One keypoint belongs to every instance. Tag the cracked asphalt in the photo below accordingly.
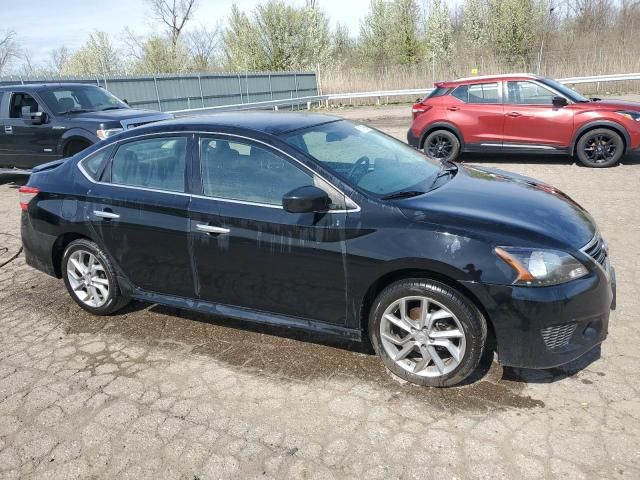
(156, 392)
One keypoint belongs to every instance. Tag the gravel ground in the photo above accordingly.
(155, 392)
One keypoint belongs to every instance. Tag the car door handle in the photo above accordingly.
(514, 114)
(211, 229)
(107, 215)
(453, 109)
(8, 129)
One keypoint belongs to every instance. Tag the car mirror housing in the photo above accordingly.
(559, 102)
(34, 118)
(306, 199)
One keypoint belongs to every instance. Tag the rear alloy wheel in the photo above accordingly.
(442, 145)
(600, 148)
(427, 333)
(90, 279)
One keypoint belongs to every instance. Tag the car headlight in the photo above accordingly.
(102, 134)
(630, 115)
(538, 268)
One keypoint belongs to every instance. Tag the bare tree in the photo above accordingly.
(204, 45)
(174, 14)
(59, 59)
(8, 49)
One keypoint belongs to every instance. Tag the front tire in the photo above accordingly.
(427, 332)
(442, 145)
(90, 278)
(600, 148)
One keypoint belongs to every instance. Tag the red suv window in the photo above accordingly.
(478, 93)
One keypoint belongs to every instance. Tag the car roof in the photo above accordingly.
(43, 86)
(487, 78)
(274, 123)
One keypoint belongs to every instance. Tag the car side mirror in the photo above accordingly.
(34, 118)
(306, 199)
(126, 101)
(559, 102)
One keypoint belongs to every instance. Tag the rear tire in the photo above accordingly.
(442, 145)
(90, 278)
(427, 333)
(600, 148)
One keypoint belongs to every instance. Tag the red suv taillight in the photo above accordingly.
(26, 195)
(419, 108)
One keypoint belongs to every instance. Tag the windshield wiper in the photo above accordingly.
(112, 108)
(403, 194)
(75, 110)
(445, 171)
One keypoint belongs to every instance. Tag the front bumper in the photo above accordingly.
(543, 327)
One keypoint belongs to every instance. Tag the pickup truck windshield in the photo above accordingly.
(367, 158)
(69, 99)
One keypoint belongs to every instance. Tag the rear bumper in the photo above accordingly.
(548, 326)
(412, 139)
(37, 246)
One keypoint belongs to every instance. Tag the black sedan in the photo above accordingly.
(314, 222)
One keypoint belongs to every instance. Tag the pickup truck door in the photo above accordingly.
(6, 149)
(25, 144)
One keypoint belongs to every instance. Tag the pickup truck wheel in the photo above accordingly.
(600, 148)
(73, 147)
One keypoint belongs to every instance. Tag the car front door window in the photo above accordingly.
(246, 172)
(528, 93)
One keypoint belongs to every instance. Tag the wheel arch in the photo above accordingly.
(60, 245)
(441, 126)
(75, 135)
(406, 273)
(611, 125)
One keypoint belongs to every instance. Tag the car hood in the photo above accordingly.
(504, 205)
(611, 105)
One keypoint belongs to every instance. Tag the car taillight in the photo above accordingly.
(419, 109)
(26, 195)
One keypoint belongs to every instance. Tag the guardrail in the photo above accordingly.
(288, 102)
(379, 94)
(618, 77)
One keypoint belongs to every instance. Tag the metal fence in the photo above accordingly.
(189, 91)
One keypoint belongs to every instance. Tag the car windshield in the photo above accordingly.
(80, 98)
(564, 90)
(366, 158)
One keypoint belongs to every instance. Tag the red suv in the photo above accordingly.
(526, 114)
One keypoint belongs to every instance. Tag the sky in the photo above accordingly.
(42, 25)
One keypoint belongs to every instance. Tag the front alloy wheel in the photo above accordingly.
(427, 332)
(422, 336)
(600, 148)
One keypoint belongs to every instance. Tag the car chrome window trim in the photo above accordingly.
(348, 200)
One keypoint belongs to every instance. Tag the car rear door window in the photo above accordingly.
(484, 93)
(157, 163)
(528, 93)
(462, 93)
(93, 163)
(245, 172)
